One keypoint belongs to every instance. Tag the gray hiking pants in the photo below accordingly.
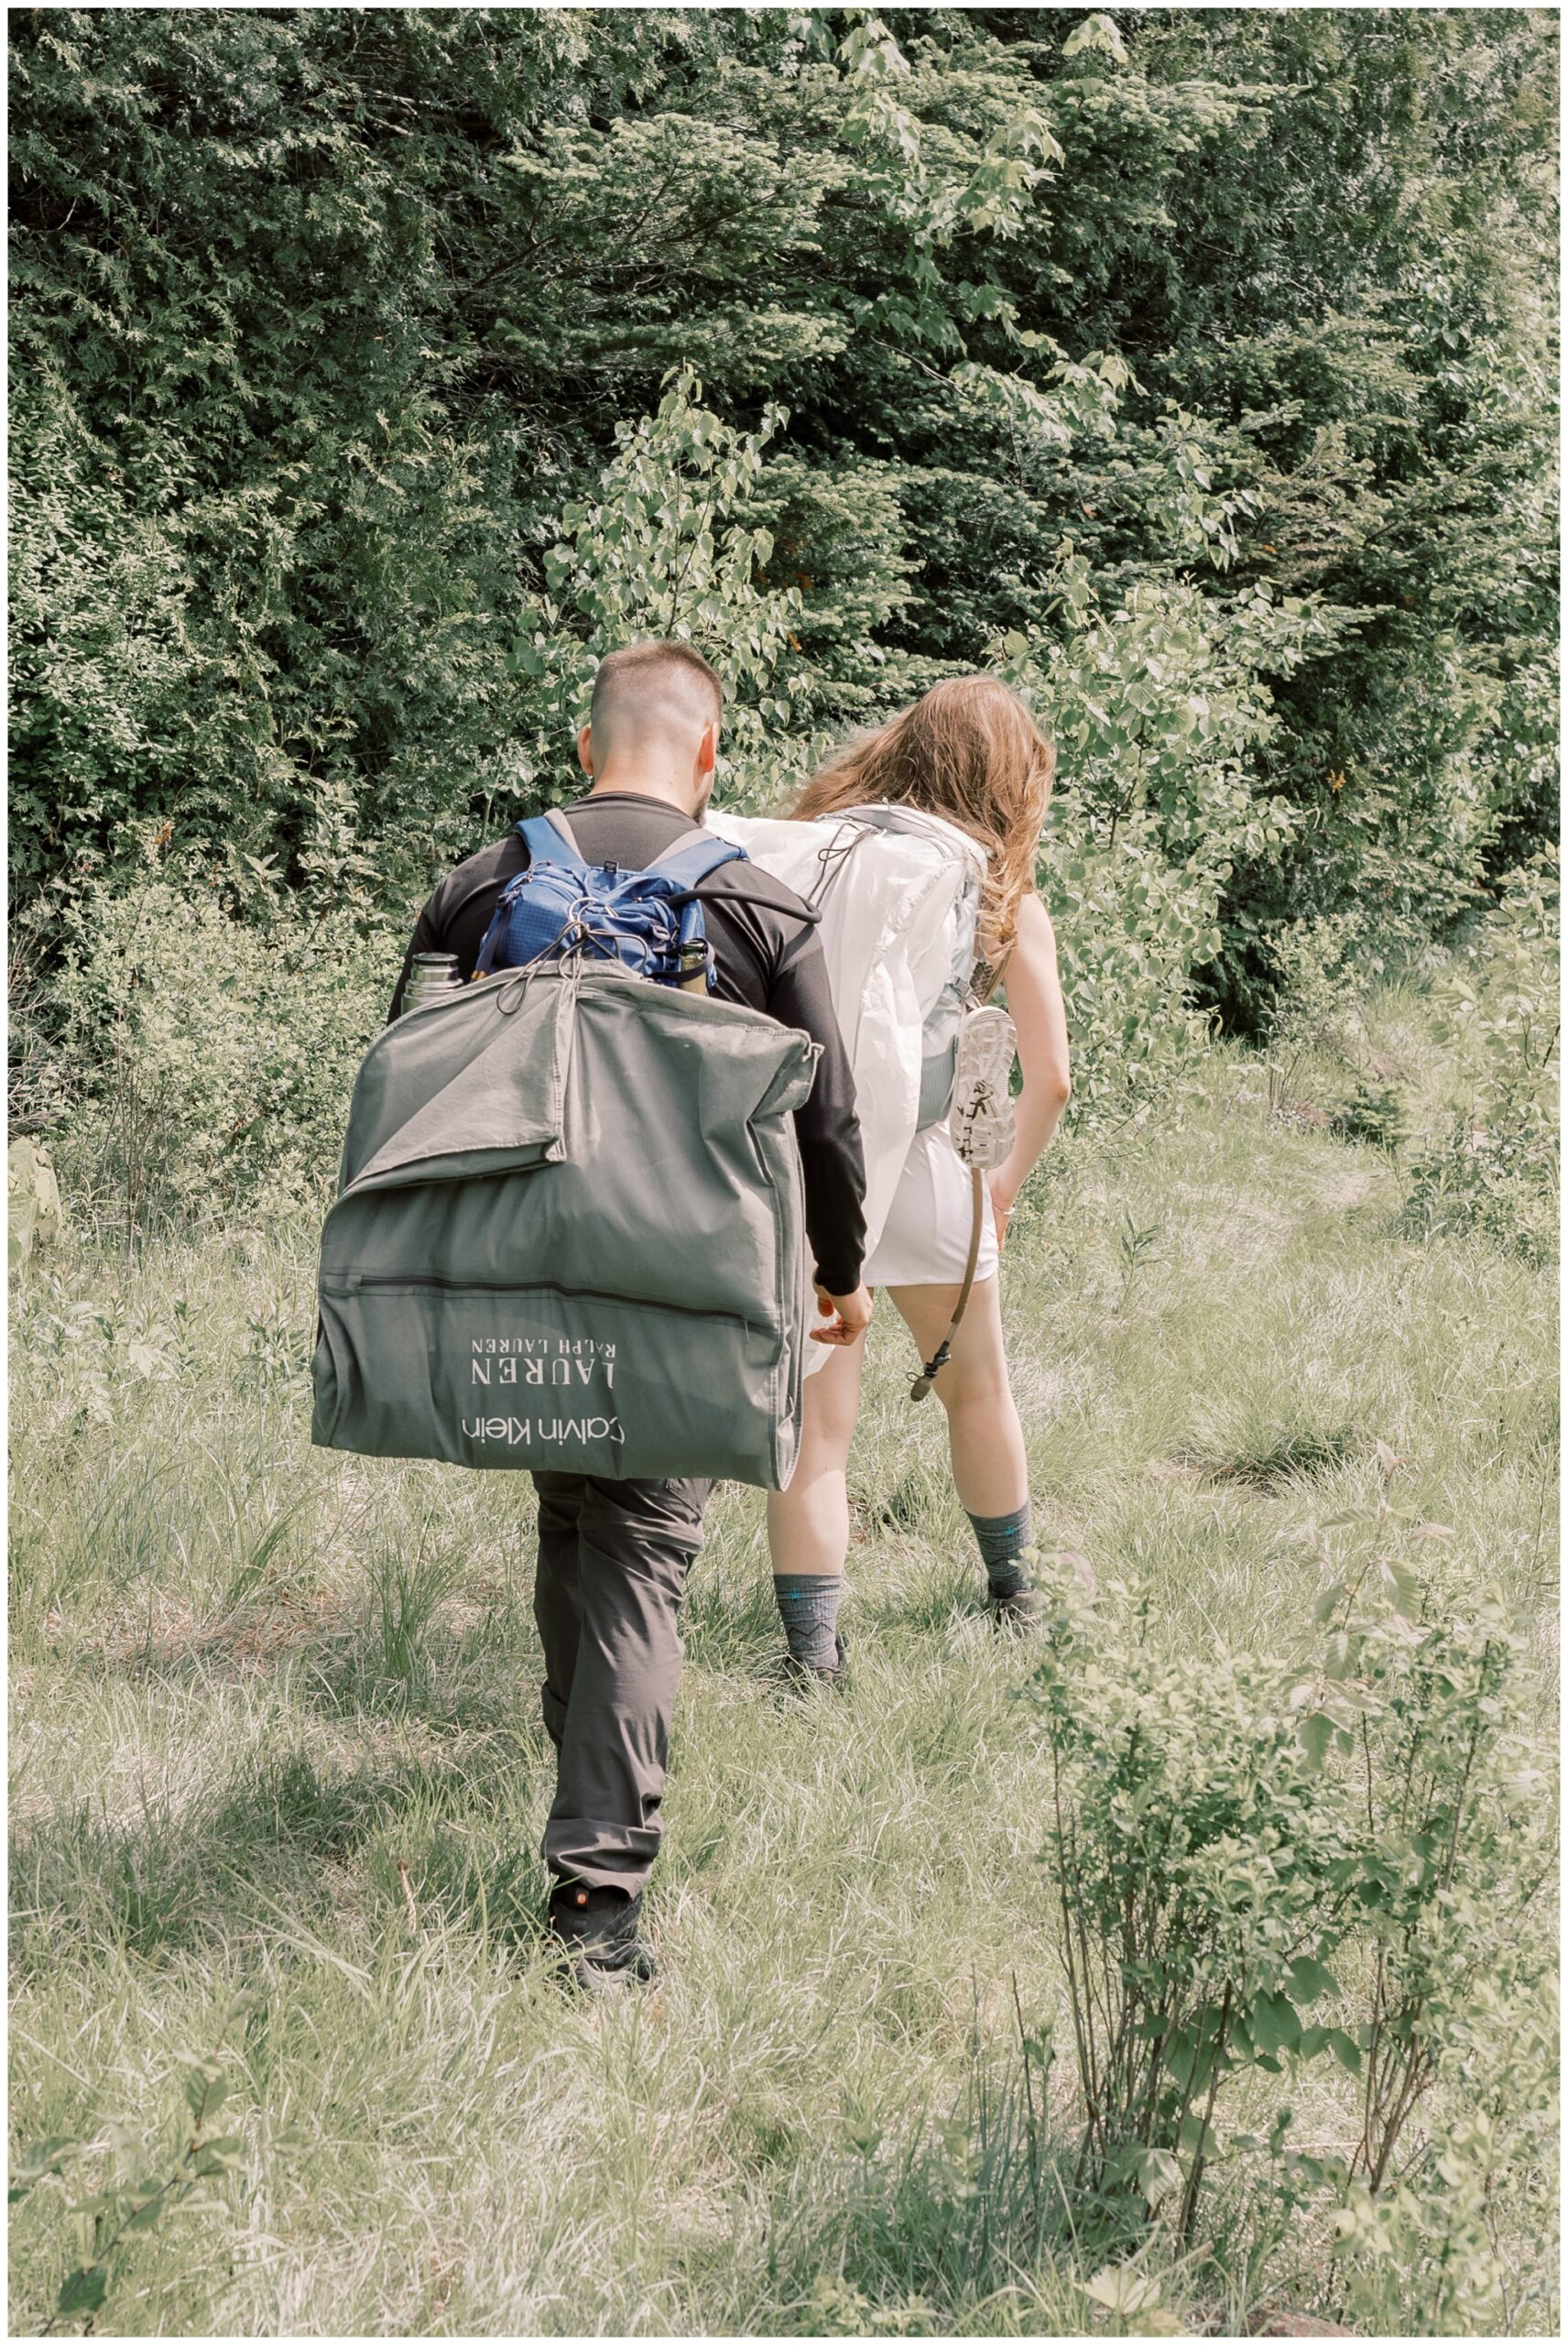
(613, 1563)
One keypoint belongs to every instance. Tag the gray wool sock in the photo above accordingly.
(1002, 1538)
(808, 1606)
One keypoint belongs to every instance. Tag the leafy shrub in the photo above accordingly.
(1128, 931)
(207, 1059)
(1420, 1693)
(1190, 1849)
(1158, 704)
(140, 2193)
(144, 2183)
(1492, 1163)
(1225, 1827)
(1321, 967)
(1372, 1110)
(1427, 2242)
(1321, 1066)
(32, 1201)
(667, 541)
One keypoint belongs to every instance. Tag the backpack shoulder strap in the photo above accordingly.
(689, 865)
(837, 852)
(547, 840)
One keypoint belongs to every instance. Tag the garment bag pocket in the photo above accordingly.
(541, 1376)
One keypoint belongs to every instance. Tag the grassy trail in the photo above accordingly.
(274, 1734)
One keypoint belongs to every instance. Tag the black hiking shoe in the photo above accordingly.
(805, 1674)
(597, 1933)
(1021, 1613)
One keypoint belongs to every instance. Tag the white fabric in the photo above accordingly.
(888, 932)
(925, 1238)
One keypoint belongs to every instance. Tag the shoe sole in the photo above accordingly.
(982, 1118)
(577, 1969)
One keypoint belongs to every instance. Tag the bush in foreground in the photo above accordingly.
(1225, 1827)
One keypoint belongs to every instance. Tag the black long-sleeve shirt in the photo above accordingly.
(766, 955)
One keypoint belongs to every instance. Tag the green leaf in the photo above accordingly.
(147, 2213)
(1124, 2290)
(1275, 2024)
(1345, 2050)
(206, 2089)
(104, 2206)
(1159, 2174)
(1181, 2054)
(1403, 1587)
(1316, 1735)
(83, 2291)
(1309, 1979)
(1096, 32)
(38, 2159)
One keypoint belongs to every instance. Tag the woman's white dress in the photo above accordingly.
(892, 919)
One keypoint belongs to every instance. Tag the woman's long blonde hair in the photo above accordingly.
(969, 750)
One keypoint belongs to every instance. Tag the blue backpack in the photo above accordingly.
(562, 907)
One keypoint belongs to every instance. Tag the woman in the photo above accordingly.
(961, 777)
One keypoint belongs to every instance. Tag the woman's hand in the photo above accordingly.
(1004, 1196)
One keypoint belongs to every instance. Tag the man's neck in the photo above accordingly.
(639, 781)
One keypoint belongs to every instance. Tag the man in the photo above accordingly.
(613, 1556)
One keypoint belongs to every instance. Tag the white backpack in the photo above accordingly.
(899, 893)
(942, 1019)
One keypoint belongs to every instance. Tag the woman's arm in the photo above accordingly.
(1034, 1003)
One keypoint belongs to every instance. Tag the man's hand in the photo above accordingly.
(848, 1316)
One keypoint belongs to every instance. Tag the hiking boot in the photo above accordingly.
(803, 1673)
(597, 1933)
(1023, 1611)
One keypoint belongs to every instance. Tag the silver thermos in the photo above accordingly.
(432, 977)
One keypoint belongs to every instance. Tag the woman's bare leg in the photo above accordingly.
(990, 1469)
(809, 1521)
(808, 1524)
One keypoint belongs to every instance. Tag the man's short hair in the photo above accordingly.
(659, 680)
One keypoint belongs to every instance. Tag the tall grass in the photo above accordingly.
(276, 1736)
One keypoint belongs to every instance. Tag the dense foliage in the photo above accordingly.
(326, 319)
(374, 369)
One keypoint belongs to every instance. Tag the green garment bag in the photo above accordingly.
(569, 1235)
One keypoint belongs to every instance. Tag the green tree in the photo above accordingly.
(333, 328)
